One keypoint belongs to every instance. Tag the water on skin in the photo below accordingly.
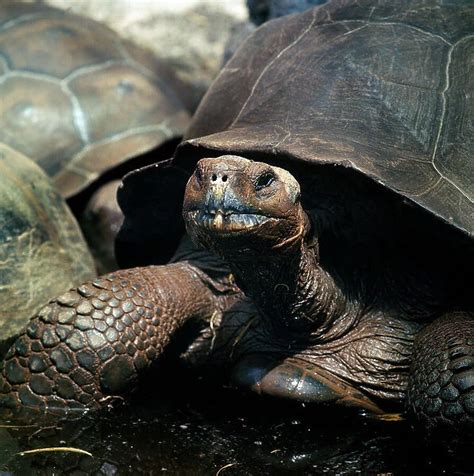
(196, 429)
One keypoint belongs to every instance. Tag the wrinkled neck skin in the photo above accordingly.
(294, 294)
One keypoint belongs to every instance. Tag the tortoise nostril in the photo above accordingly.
(224, 178)
(214, 177)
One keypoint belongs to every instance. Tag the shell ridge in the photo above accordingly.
(268, 66)
(130, 61)
(11, 73)
(426, 191)
(149, 74)
(162, 127)
(365, 23)
(443, 116)
(24, 19)
(78, 116)
(93, 68)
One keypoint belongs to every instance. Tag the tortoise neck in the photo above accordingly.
(289, 287)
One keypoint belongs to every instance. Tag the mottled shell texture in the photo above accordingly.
(42, 251)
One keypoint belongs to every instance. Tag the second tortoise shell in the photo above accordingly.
(77, 98)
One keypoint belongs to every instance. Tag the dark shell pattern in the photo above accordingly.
(62, 79)
(383, 87)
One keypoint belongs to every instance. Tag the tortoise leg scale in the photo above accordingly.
(441, 385)
(92, 342)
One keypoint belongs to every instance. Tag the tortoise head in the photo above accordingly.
(235, 203)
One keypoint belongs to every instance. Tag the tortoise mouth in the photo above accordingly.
(226, 221)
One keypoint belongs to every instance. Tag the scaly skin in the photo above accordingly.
(317, 326)
(441, 385)
(329, 340)
(93, 342)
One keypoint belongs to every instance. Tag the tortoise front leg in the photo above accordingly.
(93, 341)
(441, 385)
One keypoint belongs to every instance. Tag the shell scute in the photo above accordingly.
(37, 119)
(56, 46)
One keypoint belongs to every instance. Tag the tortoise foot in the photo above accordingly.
(441, 386)
(297, 380)
(83, 347)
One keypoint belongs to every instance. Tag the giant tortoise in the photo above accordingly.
(328, 255)
(80, 101)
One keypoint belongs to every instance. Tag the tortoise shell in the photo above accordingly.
(76, 98)
(384, 88)
(42, 251)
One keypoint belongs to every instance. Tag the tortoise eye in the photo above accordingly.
(264, 180)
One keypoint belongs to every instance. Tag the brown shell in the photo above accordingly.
(78, 99)
(382, 87)
(42, 251)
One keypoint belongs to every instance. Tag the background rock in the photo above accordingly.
(264, 10)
